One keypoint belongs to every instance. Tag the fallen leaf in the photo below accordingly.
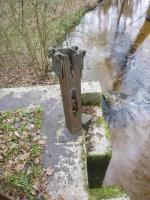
(49, 171)
(37, 160)
(24, 156)
(41, 142)
(16, 133)
(36, 184)
(61, 197)
(10, 163)
(1, 157)
(10, 121)
(19, 167)
(2, 141)
(38, 137)
(25, 133)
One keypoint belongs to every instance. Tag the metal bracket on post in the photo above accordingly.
(68, 64)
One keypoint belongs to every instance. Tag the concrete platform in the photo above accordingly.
(65, 153)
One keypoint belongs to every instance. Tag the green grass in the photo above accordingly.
(21, 169)
(21, 181)
(105, 193)
(35, 150)
(6, 127)
(36, 171)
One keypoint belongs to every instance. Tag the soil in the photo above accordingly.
(16, 77)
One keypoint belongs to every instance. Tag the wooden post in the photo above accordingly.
(68, 64)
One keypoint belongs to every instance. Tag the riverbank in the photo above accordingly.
(23, 56)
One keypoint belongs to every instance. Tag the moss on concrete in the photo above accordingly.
(97, 166)
(101, 121)
(105, 193)
(93, 99)
(84, 159)
(106, 96)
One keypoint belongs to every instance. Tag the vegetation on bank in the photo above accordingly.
(29, 27)
(22, 175)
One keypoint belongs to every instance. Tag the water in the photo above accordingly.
(116, 36)
(129, 122)
(107, 34)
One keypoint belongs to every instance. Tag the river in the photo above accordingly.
(108, 33)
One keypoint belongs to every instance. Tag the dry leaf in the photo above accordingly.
(24, 156)
(10, 121)
(37, 161)
(20, 147)
(10, 163)
(41, 142)
(36, 184)
(19, 167)
(61, 197)
(49, 171)
(16, 133)
(1, 157)
(38, 137)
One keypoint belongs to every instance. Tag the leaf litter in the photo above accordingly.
(22, 175)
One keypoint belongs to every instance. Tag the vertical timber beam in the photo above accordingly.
(68, 64)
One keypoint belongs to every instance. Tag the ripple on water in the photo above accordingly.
(108, 34)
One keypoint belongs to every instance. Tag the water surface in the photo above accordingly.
(109, 34)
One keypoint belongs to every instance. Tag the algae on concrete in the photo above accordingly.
(97, 166)
(105, 193)
(91, 93)
(101, 121)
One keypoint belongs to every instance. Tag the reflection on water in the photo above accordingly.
(129, 122)
(107, 34)
(144, 32)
